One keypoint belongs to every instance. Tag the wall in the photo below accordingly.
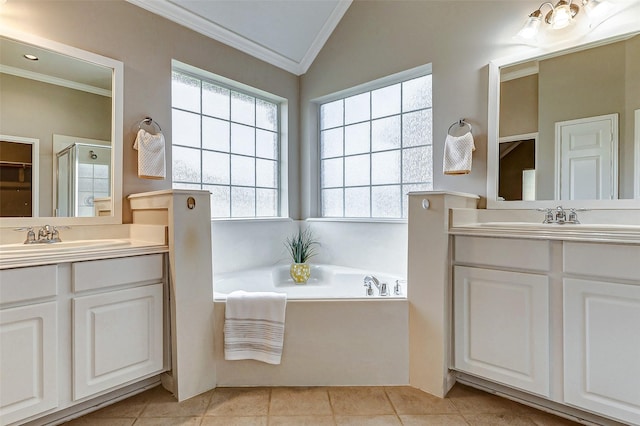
(146, 43)
(518, 117)
(244, 244)
(46, 109)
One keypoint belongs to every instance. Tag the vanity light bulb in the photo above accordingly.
(561, 17)
(530, 29)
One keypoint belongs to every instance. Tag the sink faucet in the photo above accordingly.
(560, 216)
(383, 289)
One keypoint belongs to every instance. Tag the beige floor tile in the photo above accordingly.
(87, 421)
(239, 402)
(384, 420)
(235, 421)
(165, 405)
(168, 421)
(473, 401)
(498, 420)
(130, 407)
(433, 420)
(299, 402)
(408, 400)
(359, 401)
(301, 421)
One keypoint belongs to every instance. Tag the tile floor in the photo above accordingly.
(378, 406)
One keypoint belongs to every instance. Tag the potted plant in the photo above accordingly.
(301, 247)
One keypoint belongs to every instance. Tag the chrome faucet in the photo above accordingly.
(46, 234)
(370, 279)
(560, 216)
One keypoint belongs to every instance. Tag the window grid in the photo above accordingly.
(402, 151)
(201, 184)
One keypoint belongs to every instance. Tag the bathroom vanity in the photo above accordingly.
(79, 322)
(550, 311)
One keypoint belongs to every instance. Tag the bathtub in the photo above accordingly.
(335, 335)
(326, 282)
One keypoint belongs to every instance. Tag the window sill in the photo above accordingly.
(251, 219)
(356, 220)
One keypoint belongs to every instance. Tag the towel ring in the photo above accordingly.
(149, 122)
(460, 123)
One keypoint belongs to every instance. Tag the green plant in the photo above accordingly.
(301, 246)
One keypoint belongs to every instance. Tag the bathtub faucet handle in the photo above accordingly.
(368, 290)
(384, 290)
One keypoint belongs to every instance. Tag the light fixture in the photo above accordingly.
(30, 57)
(560, 15)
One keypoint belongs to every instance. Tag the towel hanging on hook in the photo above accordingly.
(151, 151)
(458, 150)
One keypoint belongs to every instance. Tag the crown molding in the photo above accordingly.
(210, 29)
(6, 69)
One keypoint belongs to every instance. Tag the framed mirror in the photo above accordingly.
(564, 127)
(60, 133)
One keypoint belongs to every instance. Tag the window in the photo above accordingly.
(375, 147)
(226, 141)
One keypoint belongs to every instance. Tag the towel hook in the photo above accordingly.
(149, 122)
(461, 122)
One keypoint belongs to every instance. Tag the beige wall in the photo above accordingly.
(632, 103)
(44, 110)
(146, 44)
(518, 115)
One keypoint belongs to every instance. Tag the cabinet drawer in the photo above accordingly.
(97, 274)
(503, 252)
(616, 261)
(28, 283)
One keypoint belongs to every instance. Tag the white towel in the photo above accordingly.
(254, 326)
(457, 154)
(151, 160)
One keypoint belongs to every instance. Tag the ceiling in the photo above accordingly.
(286, 33)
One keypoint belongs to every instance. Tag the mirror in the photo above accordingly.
(566, 128)
(60, 133)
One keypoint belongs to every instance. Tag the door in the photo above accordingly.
(587, 158)
(602, 348)
(117, 337)
(28, 361)
(502, 327)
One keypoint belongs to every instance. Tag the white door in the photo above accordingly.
(602, 348)
(28, 361)
(587, 158)
(117, 337)
(502, 327)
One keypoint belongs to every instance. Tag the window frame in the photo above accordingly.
(282, 208)
(400, 77)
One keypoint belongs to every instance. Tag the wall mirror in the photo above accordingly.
(60, 133)
(564, 127)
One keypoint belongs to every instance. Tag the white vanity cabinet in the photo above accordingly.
(117, 332)
(28, 342)
(72, 332)
(601, 322)
(501, 317)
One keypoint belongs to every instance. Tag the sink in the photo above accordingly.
(16, 249)
(556, 227)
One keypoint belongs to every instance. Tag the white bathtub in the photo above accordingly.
(326, 282)
(335, 335)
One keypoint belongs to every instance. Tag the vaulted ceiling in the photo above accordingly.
(286, 33)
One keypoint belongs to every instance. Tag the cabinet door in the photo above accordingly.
(502, 327)
(602, 348)
(28, 361)
(117, 338)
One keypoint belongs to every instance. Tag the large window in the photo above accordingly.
(226, 141)
(375, 147)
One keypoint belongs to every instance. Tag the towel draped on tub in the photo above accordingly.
(254, 326)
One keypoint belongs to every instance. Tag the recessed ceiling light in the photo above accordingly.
(30, 57)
